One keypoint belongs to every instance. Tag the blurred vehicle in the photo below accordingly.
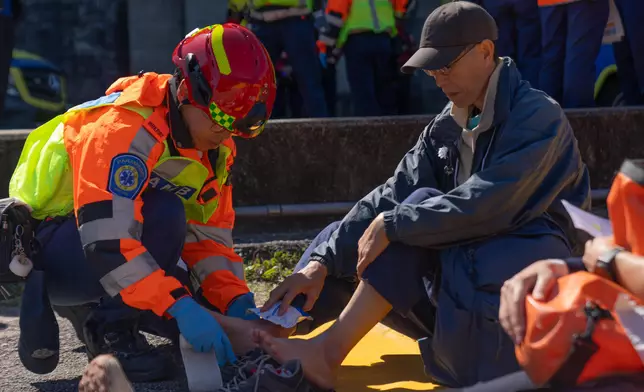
(608, 91)
(36, 92)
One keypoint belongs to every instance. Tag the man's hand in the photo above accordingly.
(372, 243)
(594, 249)
(539, 278)
(308, 281)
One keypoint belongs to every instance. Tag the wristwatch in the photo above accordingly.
(606, 263)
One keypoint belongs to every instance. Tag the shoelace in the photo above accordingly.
(235, 384)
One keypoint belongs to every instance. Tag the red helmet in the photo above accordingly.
(229, 75)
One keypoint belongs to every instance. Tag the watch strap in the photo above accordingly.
(606, 261)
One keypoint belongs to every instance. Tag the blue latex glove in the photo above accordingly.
(323, 60)
(240, 305)
(201, 329)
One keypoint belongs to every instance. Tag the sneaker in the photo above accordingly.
(270, 378)
(245, 366)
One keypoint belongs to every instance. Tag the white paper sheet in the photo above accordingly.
(590, 223)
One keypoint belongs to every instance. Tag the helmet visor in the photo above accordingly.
(248, 126)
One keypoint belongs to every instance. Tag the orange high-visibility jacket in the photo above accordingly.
(93, 139)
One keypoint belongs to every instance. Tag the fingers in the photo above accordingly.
(286, 301)
(505, 309)
(545, 282)
(360, 268)
(276, 294)
(517, 315)
(512, 309)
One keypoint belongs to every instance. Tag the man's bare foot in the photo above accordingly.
(104, 374)
(240, 334)
(316, 364)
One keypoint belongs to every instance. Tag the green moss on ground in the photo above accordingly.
(264, 268)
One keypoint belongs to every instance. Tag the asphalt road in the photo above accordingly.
(14, 377)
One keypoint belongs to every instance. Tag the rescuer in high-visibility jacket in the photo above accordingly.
(571, 36)
(362, 30)
(288, 26)
(128, 185)
(237, 11)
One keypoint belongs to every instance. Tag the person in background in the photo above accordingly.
(362, 31)
(571, 35)
(237, 11)
(10, 12)
(629, 52)
(329, 71)
(519, 34)
(287, 26)
(404, 47)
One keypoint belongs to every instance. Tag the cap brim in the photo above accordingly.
(432, 58)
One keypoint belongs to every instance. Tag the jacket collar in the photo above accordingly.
(446, 129)
(178, 128)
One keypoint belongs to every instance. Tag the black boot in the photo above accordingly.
(120, 337)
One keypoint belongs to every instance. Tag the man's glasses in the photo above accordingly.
(446, 69)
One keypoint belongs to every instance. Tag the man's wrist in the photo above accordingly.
(317, 266)
(389, 219)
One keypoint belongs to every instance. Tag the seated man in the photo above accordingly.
(473, 203)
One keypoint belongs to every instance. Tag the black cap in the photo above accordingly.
(448, 30)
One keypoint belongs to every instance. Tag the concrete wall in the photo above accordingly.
(299, 161)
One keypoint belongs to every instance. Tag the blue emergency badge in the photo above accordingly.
(128, 173)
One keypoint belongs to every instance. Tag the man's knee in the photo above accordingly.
(397, 275)
(323, 236)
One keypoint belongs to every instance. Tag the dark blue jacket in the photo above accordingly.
(521, 169)
(503, 218)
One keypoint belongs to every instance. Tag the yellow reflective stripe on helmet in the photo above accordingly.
(217, 42)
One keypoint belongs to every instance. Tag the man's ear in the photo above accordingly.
(488, 49)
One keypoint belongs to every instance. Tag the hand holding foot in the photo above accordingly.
(104, 374)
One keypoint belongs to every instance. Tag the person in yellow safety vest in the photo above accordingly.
(133, 188)
(237, 10)
(362, 30)
(287, 26)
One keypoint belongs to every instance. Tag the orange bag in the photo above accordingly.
(574, 336)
